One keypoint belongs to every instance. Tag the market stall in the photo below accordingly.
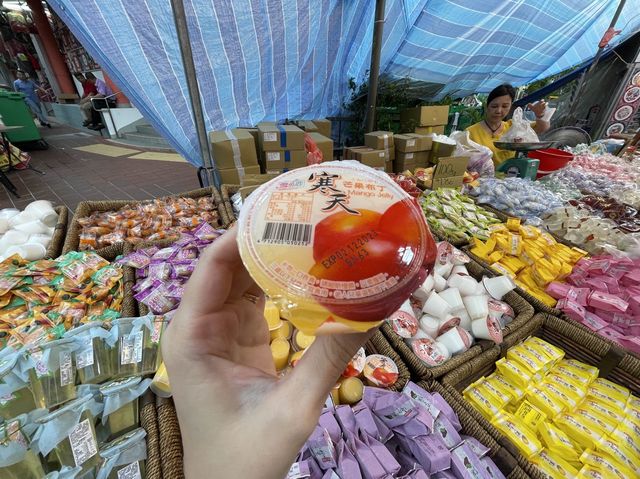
(542, 271)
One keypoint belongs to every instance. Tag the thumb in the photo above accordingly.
(321, 365)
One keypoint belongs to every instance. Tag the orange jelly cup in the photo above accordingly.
(338, 246)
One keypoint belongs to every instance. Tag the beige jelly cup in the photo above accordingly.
(338, 246)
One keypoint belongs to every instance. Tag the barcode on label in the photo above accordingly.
(83, 443)
(132, 471)
(287, 233)
(67, 374)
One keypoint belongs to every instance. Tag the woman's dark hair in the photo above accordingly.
(502, 90)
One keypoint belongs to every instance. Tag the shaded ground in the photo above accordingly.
(73, 175)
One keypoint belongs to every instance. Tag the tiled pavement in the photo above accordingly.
(72, 176)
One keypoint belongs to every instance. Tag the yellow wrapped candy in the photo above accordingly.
(607, 391)
(499, 381)
(559, 442)
(617, 452)
(554, 466)
(515, 372)
(530, 415)
(482, 403)
(540, 397)
(519, 434)
(604, 463)
(579, 432)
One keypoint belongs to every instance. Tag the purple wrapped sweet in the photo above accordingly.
(328, 421)
(476, 446)
(347, 463)
(490, 470)
(431, 452)
(322, 449)
(444, 428)
(465, 464)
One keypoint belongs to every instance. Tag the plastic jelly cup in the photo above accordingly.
(19, 400)
(125, 456)
(70, 451)
(339, 246)
(55, 382)
(125, 418)
(139, 353)
(25, 465)
(96, 361)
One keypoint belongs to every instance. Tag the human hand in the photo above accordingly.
(538, 108)
(237, 418)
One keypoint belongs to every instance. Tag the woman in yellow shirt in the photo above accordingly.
(493, 126)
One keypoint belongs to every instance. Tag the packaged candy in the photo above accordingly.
(333, 265)
(611, 468)
(158, 219)
(553, 465)
(558, 442)
(574, 426)
(518, 433)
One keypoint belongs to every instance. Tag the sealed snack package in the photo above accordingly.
(124, 457)
(521, 436)
(554, 465)
(67, 437)
(338, 246)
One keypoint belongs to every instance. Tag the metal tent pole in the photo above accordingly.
(374, 70)
(182, 30)
(570, 118)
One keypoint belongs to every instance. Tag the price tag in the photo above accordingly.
(67, 375)
(83, 443)
(131, 349)
(132, 471)
(84, 357)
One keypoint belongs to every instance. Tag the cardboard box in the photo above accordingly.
(440, 150)
(418, 158)
(427, 130)
(231, 176)
(425, 116)
(388, 167)
(350, 152)
(371, 157)
(324, 126)
(279, 161)
(325, 145)
(391, 153)
(257, 180)
(449, 172)
(307, 126)
(424, 142)
(406, 143)
(379, 140)
(233, 148)
(280, 137)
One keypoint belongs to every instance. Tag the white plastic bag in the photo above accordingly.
(520, 131)
(480, 157)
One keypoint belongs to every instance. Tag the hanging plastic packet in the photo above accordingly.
(124, 456)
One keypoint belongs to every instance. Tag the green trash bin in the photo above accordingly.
(15, 112)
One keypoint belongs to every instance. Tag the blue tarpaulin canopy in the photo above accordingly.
(274, 59)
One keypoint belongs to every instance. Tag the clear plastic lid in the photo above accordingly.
(84, 328)
(123, 442)
(119, 384)
(338, 246)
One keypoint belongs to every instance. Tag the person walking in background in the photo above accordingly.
(29, 89)
(102, 90)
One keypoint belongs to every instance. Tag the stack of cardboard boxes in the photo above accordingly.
(412, 151)
(281, 147)
(246, 156)
(425, 119)
(234, 153)
(378, 152)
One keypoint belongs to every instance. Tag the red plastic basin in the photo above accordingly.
(551, 159)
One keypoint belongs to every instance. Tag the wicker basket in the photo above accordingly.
(57, 241)
(171, 453)
(578, 344)
(419, 371)
(227, 191)
(85, 208)
(149, 421)
(128, 279)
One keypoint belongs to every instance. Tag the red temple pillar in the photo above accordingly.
(58, 65)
